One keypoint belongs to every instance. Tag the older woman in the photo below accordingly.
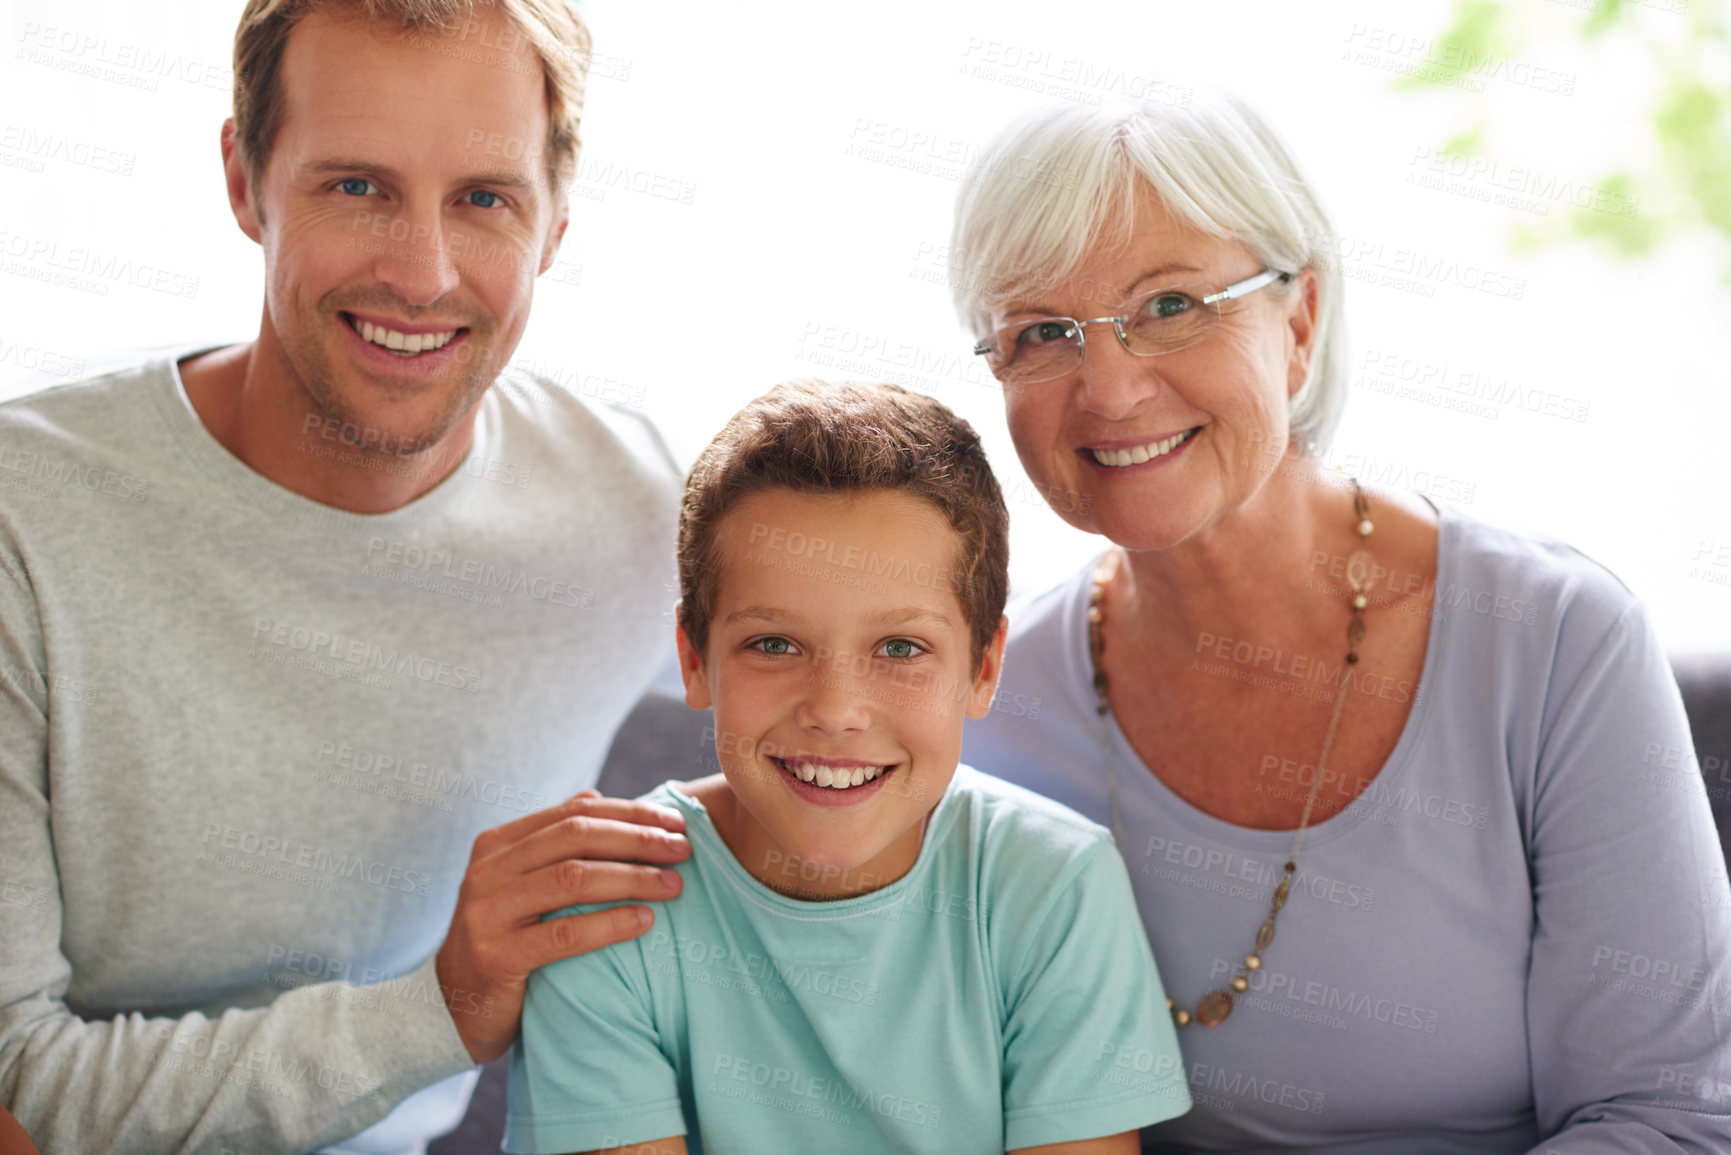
(1388, 779)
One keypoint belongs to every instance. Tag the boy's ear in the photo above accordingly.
(691, 670)
(986, 681)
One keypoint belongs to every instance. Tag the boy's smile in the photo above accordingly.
(839, 666)
(833, 781)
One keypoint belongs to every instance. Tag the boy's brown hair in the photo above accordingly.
(821, 437)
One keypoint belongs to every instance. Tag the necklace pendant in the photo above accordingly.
(1213, 1008)
(1360, 570)
(1361, 574)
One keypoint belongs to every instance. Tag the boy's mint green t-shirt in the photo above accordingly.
(999, 995)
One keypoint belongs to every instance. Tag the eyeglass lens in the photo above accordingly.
(1163, 321)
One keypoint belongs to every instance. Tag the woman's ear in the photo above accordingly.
(691, 670)
(1302, 331)
(986, 679)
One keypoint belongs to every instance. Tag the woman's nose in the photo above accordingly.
(1115, 381)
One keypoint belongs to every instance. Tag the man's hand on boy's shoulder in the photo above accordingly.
(586, 849)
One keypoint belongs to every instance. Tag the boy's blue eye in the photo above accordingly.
(900, 648)
(776, 646)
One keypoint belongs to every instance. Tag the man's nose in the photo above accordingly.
(418, 268)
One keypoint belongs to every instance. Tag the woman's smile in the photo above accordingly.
(1122, 454)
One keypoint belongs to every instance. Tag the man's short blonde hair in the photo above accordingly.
(552, 27)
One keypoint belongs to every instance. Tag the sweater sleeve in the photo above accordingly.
(317, 1065)
(1629, 986)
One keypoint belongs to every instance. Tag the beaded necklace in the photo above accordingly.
(1217, 1004)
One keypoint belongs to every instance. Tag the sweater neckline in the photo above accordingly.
(246, 486)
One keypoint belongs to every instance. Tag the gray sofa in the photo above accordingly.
(663, 739)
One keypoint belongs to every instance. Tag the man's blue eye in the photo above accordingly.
(490, 200)
(356, 186)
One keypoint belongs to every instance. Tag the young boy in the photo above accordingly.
(875, 949)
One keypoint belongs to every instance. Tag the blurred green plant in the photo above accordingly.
(1680, 190)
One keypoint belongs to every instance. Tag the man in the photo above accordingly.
(290, 630)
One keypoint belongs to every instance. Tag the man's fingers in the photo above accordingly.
(579, 836)
(560, 938)
(508, 938)
(595, 837)
(631, 810)
(587, 802)
(574, 880)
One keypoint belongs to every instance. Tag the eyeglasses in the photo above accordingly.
(1161, 321)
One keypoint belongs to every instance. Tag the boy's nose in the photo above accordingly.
(833, 703)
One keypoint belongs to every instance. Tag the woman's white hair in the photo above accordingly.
(1040, 200)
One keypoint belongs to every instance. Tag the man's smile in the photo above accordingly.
(400, 338)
